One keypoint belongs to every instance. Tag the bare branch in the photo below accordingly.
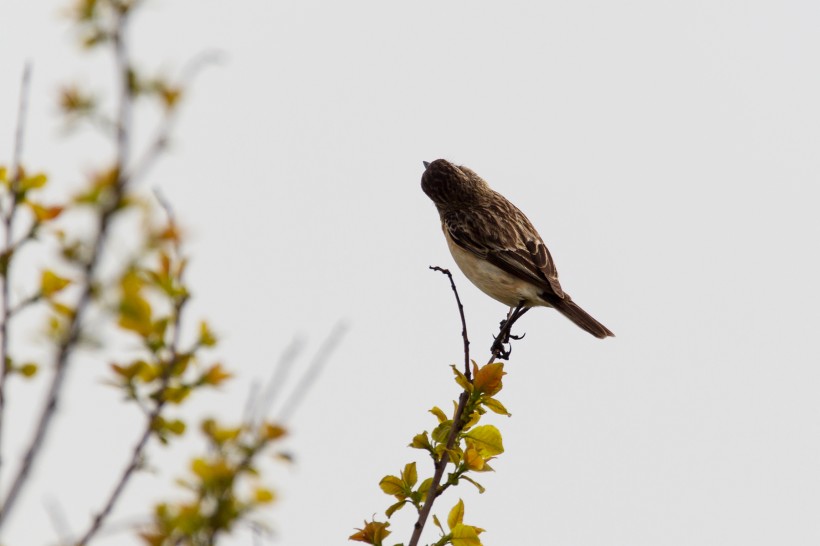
(8, 246)
(160, 140)
(58, 520)
(467, 371)
(281, 371)
(67, 345)
(312, 373)
(22, 110)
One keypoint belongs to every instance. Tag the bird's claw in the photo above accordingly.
(502, 346)
(500, 351)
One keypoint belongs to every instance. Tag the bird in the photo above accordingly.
(496, 246)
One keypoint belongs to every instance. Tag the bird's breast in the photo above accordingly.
(492, 280)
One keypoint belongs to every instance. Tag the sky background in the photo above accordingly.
(667, 152)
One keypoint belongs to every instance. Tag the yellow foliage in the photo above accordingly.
(409, 475)
(135, 311)
(51, 283)
(393, 485)
(206, 336)
(462, 380)
(472, 459)
(29, 369)
(216, 375)
(42, 213)
(439, 414)
(456, 515)
(272, 432)
(464, 535)
(210, 471)
(487, 379)
(494, 405)
(487, 440)
(32, 182)
(373, 532)
(263, 495)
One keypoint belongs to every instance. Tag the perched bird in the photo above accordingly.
(495, 245)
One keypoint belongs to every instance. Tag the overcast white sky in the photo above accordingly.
(669, 155)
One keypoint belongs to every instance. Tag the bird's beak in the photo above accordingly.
(426, 164)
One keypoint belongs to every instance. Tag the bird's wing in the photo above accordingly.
(528, 260)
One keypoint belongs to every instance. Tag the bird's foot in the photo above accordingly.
(499, 350)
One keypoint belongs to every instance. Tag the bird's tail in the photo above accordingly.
(570, 309)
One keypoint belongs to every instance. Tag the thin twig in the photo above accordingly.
(467, 370)
(458, 418)
(151, 416)
(137, 453)
(69, 341)
(8, 247)
(126, 93)
(281, 371)
(160, 139)
(58, 520)
(20, 132)
(314, 368)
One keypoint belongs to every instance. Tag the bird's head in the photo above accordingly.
(451, 186)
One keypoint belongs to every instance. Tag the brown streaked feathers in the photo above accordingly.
(496, 246)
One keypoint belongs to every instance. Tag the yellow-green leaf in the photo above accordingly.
(442, 432)
(421, 441)
(175, 427)
(475, 483)
(439, 414)
(201, 468)
(220, 435)
(464, 535)
(32, 182)
(487, 440)
(393, 485)
(494, 405)
(42, 213)
(176, 395)
(462, 380)
(425, 486)
(51, 283)
(409, 475)
(206, 336)
(216, 375)
(263, 495)
(147, 372)
(135, 311)
(62, 309)
(29, 369)
(126, 372)
(393, 508)
(456, 515)
(472, 419)
(438, 523)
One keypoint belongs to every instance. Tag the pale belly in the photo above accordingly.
(493, 281)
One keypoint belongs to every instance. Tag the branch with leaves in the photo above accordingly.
(458, 442)
(144, 299)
